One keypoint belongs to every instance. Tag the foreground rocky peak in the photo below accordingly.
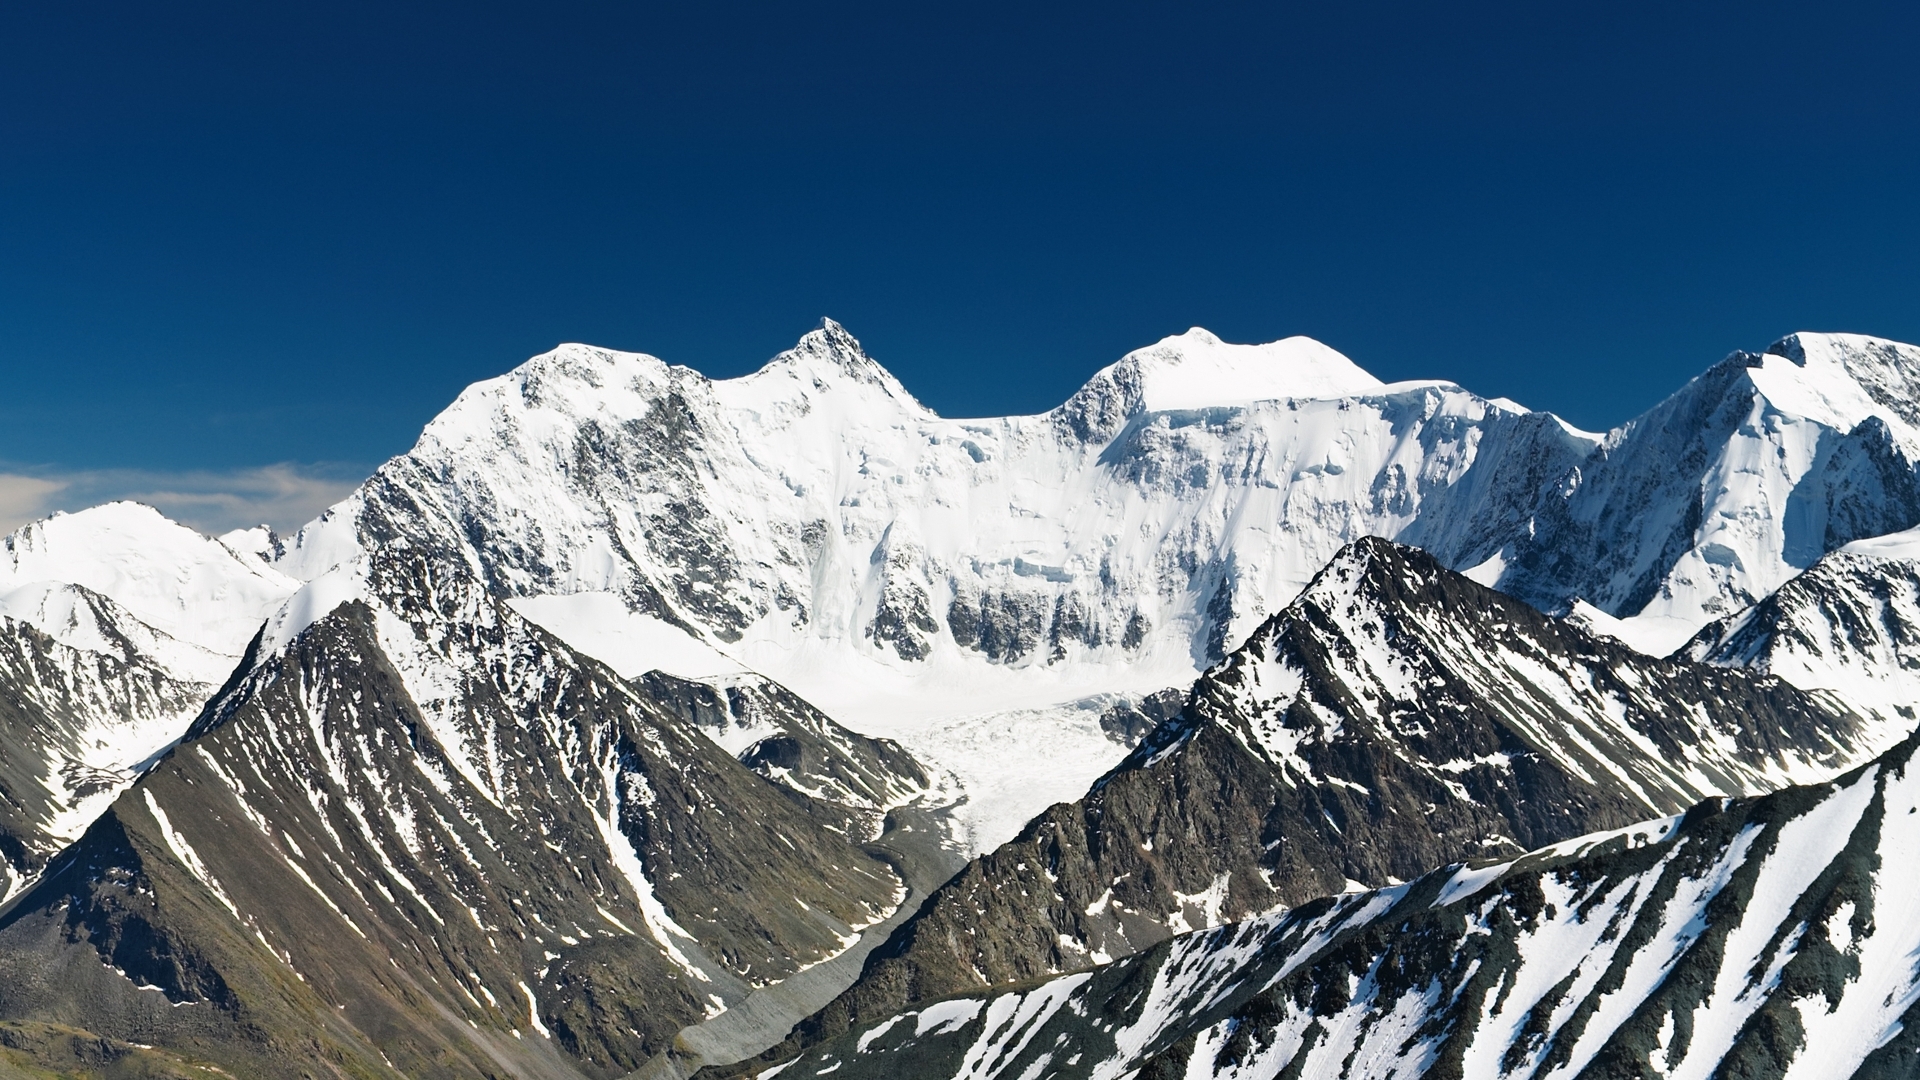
(472, 849)
(1768, 937)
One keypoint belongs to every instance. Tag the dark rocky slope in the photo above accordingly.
(1755, 938)
(1395, 717)
(446, 849)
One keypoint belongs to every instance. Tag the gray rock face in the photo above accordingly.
(1758, 938)
(1395, 717)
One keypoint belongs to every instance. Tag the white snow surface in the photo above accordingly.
(1197, 370)
(193, 589)
(630, 642)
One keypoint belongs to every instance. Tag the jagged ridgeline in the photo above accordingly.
(445, 817)
(1763, 938)
(1397, 716)
(419, 834)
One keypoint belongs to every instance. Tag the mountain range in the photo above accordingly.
(638, 722)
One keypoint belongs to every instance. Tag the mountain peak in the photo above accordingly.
(1197, 370)
(826, 356)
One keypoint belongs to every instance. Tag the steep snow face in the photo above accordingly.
(1848, 626)
(1765, 937)
(191, 588)
(816, 524)
(1723, 492)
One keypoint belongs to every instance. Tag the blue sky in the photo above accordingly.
(247, 250)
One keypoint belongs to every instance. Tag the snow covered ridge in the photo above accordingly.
(116, 624)
(816, 524)
(1848, 627)
(1768, 937)
(178, 595)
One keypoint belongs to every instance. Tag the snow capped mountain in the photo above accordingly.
(1717, 496)
(204, 597)
(1770, 937)
(614, 723)
(1395, 717)
(1198, 371)
(116, 625)
(1849, 626)
(813, 523)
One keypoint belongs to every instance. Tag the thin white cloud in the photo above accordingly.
(215, 501)
(25, 498)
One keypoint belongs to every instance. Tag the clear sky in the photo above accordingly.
(248, 249)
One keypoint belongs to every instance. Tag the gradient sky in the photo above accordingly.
(247, 250)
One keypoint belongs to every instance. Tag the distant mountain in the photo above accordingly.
(1395, 717)
(116, 625)
(1849, 627)
(1769, 937)
(815, 524)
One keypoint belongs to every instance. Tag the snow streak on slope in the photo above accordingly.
(1765, 937)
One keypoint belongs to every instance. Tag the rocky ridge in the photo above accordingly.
(1395, 717)
(1767, 937)
(420, 817)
